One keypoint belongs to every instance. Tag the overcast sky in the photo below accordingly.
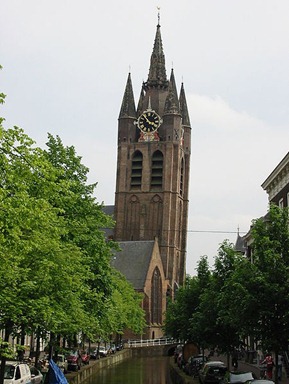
(65, 66)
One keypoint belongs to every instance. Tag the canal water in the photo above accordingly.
(137, 370)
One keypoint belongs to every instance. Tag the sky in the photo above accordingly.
(65, 65)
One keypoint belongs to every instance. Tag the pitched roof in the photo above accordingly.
(133, 261)
(172, 102)
(240, 244)
(128, 105)
(184, 107)
(108, 210)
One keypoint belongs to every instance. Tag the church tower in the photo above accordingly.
(153, 167)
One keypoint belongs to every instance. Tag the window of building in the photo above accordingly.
(281, 203)
(136, 170)
(157, 170)
(156, 298)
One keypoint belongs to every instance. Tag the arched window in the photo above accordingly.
(156, 297)
(136, 170)
(157, 170)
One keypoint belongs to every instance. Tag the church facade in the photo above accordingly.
(152, 186)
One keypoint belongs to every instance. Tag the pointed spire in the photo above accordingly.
(172, 102)
(184, 108)
(140, 107)
(128, 105)
(157, 73)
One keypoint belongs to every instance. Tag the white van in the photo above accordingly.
(16, 373)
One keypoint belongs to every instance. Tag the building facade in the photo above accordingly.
(277, 184)
(277, 187)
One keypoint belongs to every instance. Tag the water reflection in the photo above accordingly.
(138, 370)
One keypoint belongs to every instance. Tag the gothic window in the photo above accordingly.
(136, 170)
(182, 178)
(157, 170)
(156, 297)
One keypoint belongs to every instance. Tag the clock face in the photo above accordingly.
(149, 121)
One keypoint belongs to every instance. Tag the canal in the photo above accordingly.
(137, 370)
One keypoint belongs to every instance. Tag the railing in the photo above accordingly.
(150, 342)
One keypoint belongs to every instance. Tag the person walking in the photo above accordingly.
(280, 359)
(269, 365)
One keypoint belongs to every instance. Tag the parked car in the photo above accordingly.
(62, 363)
(94, 355)
(194, 364)
(16, 373)
(36, 375)
(213, 372)
(260, 381)
(102, 351)
(238, 377)
(74, 361)
(119, 346)
(85, 357)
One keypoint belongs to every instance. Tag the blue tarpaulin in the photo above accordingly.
(56, 376)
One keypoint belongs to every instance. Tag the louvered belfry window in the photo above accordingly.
(136, 170)
(157, 171)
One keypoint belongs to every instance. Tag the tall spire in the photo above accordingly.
(172, 102)
(184, 107)
(128, 105)
(157, 73)
(140, 107)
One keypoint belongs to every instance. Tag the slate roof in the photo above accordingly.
(240, 244)
(133, 261)
(108, 210)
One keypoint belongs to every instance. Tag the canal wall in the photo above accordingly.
(95, 365)
(177, 375)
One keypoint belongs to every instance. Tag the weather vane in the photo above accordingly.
(158, 8)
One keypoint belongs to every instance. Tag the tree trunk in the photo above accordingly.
(3, 359)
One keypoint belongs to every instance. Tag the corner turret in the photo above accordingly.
(127, 115)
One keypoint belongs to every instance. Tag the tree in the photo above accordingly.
(271, 258)
(125, 311)
(260, 288)
(35, 265)
(180, 310)
(85, 222)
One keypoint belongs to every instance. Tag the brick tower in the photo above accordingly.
(153, 167)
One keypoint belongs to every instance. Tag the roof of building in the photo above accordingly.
(128, 105)
(108, 210)
(133, 261)
(276, 171)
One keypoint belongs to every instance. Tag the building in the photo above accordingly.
(277, 184)
(277, 187)
(152, 186)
